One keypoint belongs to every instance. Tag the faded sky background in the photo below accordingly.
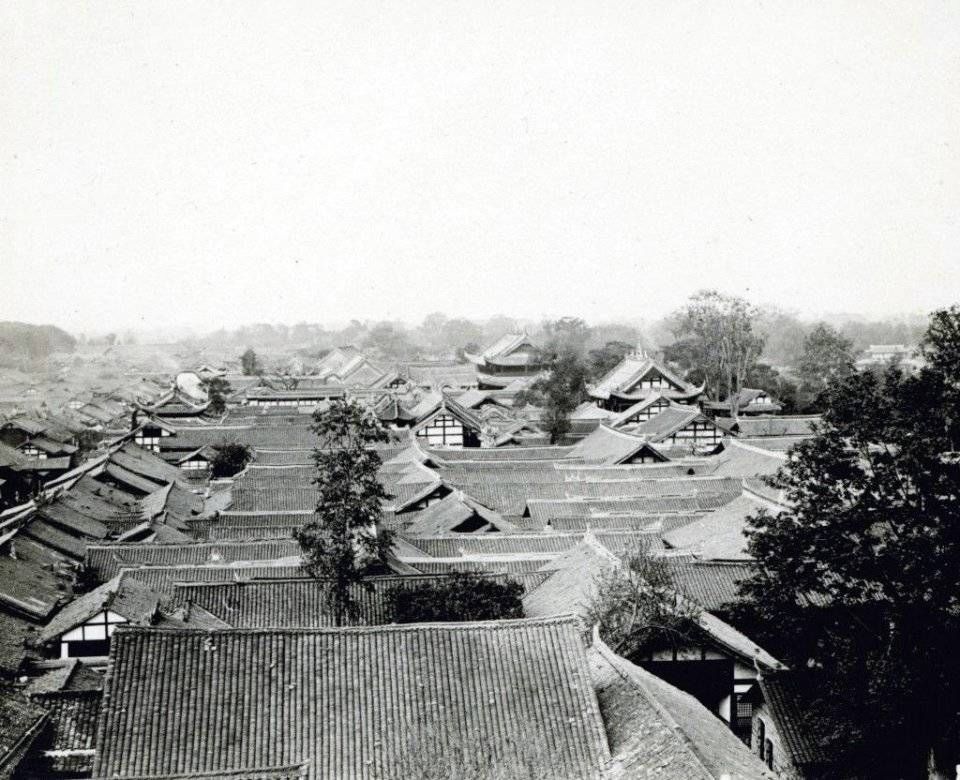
(213, 164)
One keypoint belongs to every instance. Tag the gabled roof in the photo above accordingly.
(133, 601)
(501, 352)
(572, 582)
(747, 402)
(353, 702)
(609, 447)
(452, 512)
(657, 730)
(621, 419)
(34, 579)
(621, 381)
(672, 419)
(571, 589)
(448, 405)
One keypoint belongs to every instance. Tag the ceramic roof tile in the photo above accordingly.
(325, 696)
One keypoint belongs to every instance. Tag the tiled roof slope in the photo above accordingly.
(73, 717)
(161, 579)
(776, 425)
(105, 560)
(507, 454)
(608, 447)
(785, 693)
(720, 534)
(658, 731)
(354, 703)
(741, 459)
(301, 603)
(294, 772)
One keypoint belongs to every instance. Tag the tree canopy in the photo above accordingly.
(826, 356)
(716, 334)
(637, 606)
(218, 389)
(231, 458)
(342, 542)
(858, 578)
(250, 363)
(458, 597)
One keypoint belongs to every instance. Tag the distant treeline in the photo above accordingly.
(21, 342)
(441, 336)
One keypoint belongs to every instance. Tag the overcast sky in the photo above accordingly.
(201, 163)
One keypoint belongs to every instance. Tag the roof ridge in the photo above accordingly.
(447, 626)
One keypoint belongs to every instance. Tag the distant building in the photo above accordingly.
(885, 354)
(511, 357)
(637, 378)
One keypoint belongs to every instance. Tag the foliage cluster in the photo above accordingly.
(458, 597)
(858, 579)
(637, 605)
(342, 541)
(231, 458)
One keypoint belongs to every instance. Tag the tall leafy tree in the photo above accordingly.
(218, 389)
(342, 542)
(637, 606)
(826, 356)
(559, 393)
(719, 335)
(250, 363)
(858, 579)
(230, 459)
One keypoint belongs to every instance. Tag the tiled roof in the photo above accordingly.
(301, 602)
(73, 718)
(20, 723)
(623, 378)
(519, 545)
(741, 459)
(669, 421)
(356, 702)
(638, 522)
(544, 510)
(571, 585)
(773, 443)
(657, 730)
(450, 513)
(34, 582)
(608, 447)
(513, 566)
(277, 499)
(711, 584)
(720, 534)
(161, 579)
(133, 601)
(284, 457)
(105, 560)
(506, 454)
(293, 772)
(776, 425)
(786, 694)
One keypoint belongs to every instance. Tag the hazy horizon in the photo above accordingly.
(185, 165)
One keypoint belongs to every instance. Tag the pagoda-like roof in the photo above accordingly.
(624, 379)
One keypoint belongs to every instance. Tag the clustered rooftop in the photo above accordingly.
(158, 623)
